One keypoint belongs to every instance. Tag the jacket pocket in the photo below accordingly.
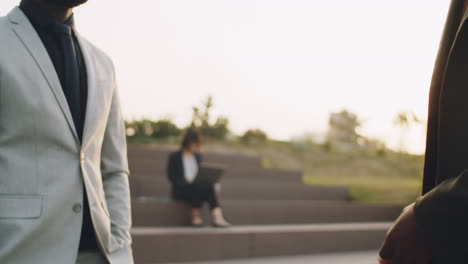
(20, 206)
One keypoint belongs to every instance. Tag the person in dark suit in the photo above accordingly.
(182, 171)
(434, 229)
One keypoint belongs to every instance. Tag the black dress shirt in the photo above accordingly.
(44, 24)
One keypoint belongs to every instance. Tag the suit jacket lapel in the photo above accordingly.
(459, 27)
(449, 36)
(93, 92)
(452, 125)
(30, 39)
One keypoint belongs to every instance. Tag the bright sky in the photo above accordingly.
(278, 65)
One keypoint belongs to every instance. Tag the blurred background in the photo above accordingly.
(292, 70)
(335, 89)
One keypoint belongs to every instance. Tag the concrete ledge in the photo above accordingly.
(356, 257)
(156, 155)
(248, 190)
(159, 245)
(168, 213)
(270, 229)
(159, 213)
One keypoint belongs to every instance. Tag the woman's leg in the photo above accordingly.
(193, 198)
(212, 197)
(197, 219)
(216, 211)
(217, 218)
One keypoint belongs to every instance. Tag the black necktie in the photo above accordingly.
(72, 76)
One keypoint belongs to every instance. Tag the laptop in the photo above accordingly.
(209, 174)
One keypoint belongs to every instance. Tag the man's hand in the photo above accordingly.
(404, 243)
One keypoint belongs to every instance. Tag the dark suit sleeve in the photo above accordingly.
(442, 215)
(199, 158)
(173, 171)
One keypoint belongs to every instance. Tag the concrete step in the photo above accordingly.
(359, 257)
(152, 183)
(160, 245)
(142, 170)
(158, 156)
(247, 190)
(233, 160)
(148, 174)
(263, 174)
(156, 167)
(273, 190)
(150, 212)
(153, 212)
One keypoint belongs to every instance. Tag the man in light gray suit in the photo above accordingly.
(64, 195)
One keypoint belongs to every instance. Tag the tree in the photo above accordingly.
(160, 129)
(201, 114)
(254, 136)
(164, 128)
(342, 130)
(404, 120)
(201, 120)
(219, 129)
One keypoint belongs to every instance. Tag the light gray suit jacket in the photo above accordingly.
(43, 166)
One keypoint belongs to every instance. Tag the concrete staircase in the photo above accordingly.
(273, 212)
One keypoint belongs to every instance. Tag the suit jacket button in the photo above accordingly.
(77, 208)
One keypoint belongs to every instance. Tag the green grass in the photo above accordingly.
(373, 190)
(373, 179)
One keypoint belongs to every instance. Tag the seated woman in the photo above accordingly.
(182, 170)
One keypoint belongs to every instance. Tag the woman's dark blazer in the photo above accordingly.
(175, 174)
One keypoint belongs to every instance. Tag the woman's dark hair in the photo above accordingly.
(191, 136)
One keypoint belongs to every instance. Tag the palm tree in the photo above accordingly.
(404, 120)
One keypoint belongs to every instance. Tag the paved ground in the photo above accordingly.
(367, 257)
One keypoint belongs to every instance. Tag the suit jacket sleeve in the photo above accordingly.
(115, 172)
(171, 169)
(442, 215)
(175, 171)
(199, 158)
